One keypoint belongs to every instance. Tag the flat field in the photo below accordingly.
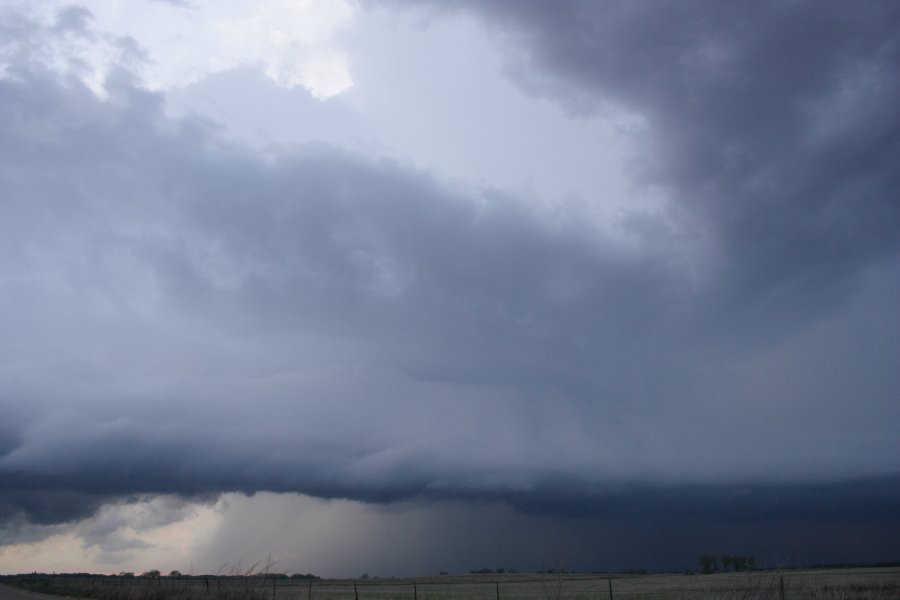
(838, 584)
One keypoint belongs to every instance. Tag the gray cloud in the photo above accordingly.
(181, 315)
(770, 126)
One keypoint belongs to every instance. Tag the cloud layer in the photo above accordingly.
(182, 314)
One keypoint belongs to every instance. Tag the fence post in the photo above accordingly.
(415, 591)
(309, 597)
(273, 587)
(781, 587)
(498, 590)
(609, 583)
(355, 591)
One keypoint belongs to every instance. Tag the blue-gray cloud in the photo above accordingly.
(180, 314)
(773, 125)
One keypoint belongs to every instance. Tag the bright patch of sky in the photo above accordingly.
(438, 91)
(291, 41)
(160, 532)
(434, 94)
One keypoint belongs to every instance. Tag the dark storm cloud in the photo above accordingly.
(42, 507)
(772, 126)
(181, 315)
(457, 536)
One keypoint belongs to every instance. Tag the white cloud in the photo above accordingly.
(293, 42)
(159, 531)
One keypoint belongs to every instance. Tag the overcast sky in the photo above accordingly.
(502, 283)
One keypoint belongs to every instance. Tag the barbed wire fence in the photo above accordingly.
(777, 585)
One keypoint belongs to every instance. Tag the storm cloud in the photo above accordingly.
(183, 314)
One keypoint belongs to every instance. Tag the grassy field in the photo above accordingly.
(842, 584)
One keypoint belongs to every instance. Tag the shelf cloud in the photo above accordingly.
(182, 314)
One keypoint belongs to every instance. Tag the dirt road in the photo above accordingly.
(9, 593)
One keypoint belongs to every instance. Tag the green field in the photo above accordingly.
(838, 584)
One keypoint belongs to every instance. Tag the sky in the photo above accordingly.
(370, 286)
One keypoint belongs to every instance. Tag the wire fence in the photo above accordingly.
(843, 584)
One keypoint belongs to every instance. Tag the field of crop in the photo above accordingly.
(841, 584)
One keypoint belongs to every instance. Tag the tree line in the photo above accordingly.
(709, 563)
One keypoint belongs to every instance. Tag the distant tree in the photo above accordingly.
(174, 573)
(151, 574)
(364, 576)
(709, 564)
(737, 562)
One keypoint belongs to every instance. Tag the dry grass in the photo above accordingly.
(104, 590)
(845, 584)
